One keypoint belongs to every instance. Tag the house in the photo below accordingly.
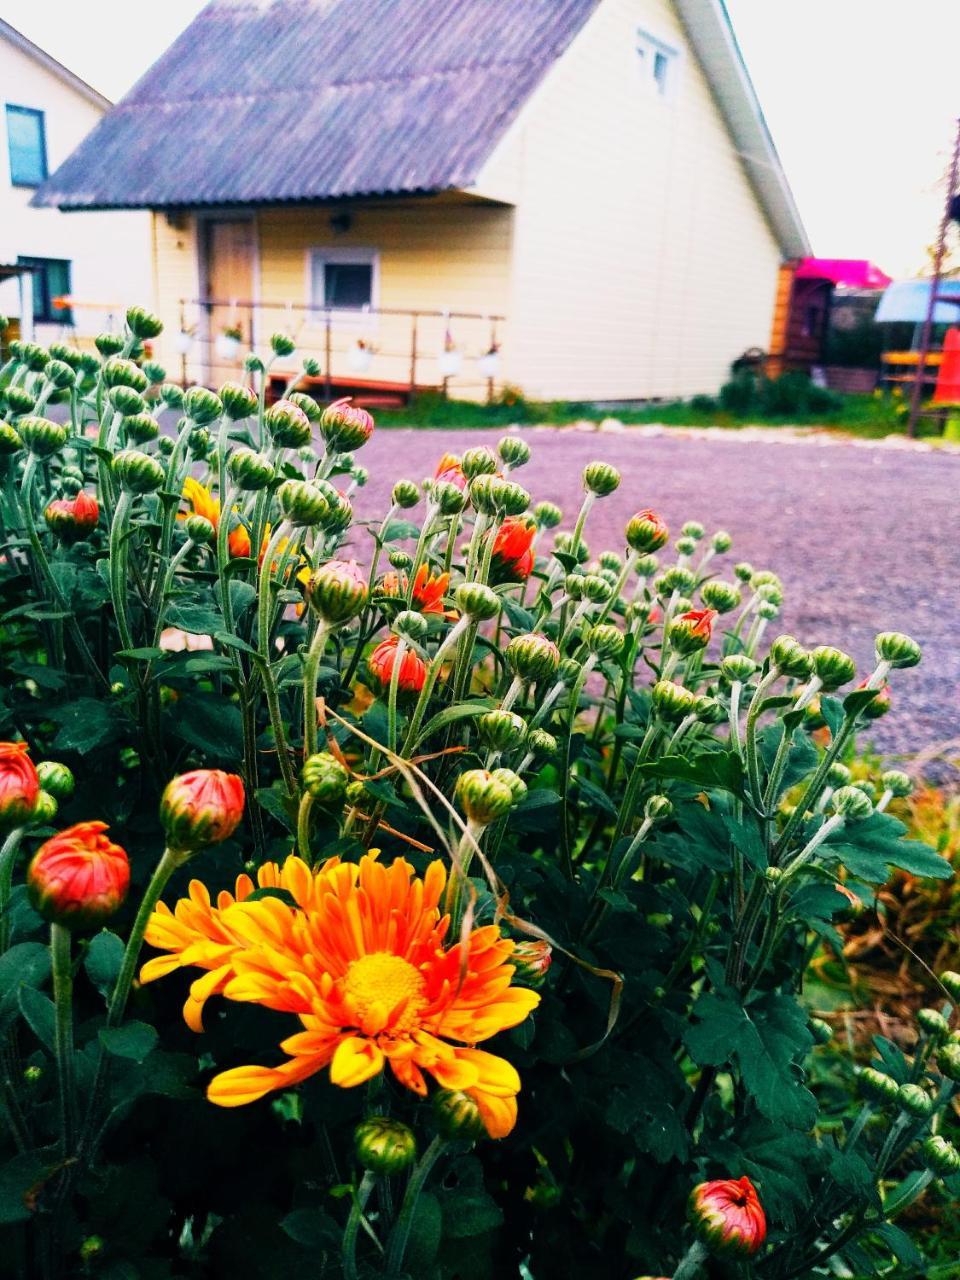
(576, 197)
(99, 260)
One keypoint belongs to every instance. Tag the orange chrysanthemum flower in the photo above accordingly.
(361, 960)
(428, 588)
(203, 503)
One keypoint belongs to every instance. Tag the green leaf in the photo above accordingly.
(400, 531)
(18, 1179)
(518, 617)
(133, 1040)
(142, 655)
(469, 1213)
(721, 769)
(312, 1228)
(856, 701)
(451, 715)
(26, 964)
(230, 641)
(40, 1015)
(212, 724)
(283, 895)
(272, 799)
(868, 849)
(425, 1233)
(832, 711)
(198, 619)
(745, 837)
(595, 795)
(87, 724)
(102, 961)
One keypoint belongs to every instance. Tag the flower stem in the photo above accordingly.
(63, 1030)
(8, 856)
(349, 1248)
(311, 667)
(691, 1262)
(401, 1231)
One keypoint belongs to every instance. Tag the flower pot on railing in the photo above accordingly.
(450, 363)
(183, 343)
(359, 357)
(489, 364)
(229, 344)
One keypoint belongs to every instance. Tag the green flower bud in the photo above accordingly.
(400, 559)
(482, 490)
(252, 363)
(569, 671)
(143, 323)
(172, 395)
(720, 596)
(605, 640)
(951, 984)
(532, 657)
(41, 436)
(838, 775)
(868, 789)
(32, 1075)
(384, 1146)
(600, 478)
(340, 513)
(405, 494)
(851, 803)
(542, 743)
(250, 471)
(611, 561)
(447, 498)
(199, 443)
(138, 472)
(897, 783)
(345, 427)
(914, 1100)
(56, 779)
(822, 1031)
(127, 401)
(307, 404)
(693, 529)
(44, 809)
(118, 372)
(410, 624)
(646, 532)
(877, 1086)
(155, 372)
(790, 657)
(337, 590)
(201, 405)
(281, 345)
(238, 401)
(531, 961)
(686, 546)
(722, 542)
(288, 425)
(19, 400)
(91, 1248)
(710, 711)
(480, 461)
(511, 499)
(657, 809)
(59, 373)
(948, 1060)
(563, 543)
(897, 649)
(934, 1024)
(832, 666)
(302, 503)
(513, 451)
(476, 601)
(10, 441)
(941, 1156)
(572, 585)
(165, 446)
(547, 515)
(676, 578)
(200, 530)
(311, 367)
(737, 668)
(483, 797)
(672, 702)
(68, 355)
(501, 730)
(457, 1116)
(517, 786)
(34, 356)
(141, 428)
(324, 777)
(744, 571)
(355, 792)
(773, 876)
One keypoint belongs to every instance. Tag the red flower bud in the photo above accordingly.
(449, 471)
(513, 550)
(73, 519)
(532, 960)
(200, 808)
(646, 532)
(19, 784)
(692, 630)
(413, 669)
(337, 590)
(428, 588)
(345, 427)
(728, 1217)
(78, 878)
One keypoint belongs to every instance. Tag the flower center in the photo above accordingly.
(385, 992)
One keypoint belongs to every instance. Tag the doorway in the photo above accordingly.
(229, 254)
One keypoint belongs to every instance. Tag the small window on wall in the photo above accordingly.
(344, 279)
(659, 65)
(51, 283)
(26, 146)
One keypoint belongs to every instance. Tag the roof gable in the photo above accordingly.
(286, 100)
(40, 56)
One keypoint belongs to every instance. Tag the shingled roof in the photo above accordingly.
(264, 101)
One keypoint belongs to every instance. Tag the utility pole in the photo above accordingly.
(949, 212)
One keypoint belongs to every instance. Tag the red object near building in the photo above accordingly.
(948, 378)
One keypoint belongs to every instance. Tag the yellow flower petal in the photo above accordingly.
(354, 1062)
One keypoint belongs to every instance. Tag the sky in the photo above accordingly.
(861, 98)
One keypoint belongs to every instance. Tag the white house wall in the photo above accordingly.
(643, 263)
(109, 252)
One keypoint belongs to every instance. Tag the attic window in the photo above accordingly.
(26, 146)
(659, 64)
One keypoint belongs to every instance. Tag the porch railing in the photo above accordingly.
(387, 350)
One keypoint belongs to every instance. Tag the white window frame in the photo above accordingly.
(322, 255)
(648, 46)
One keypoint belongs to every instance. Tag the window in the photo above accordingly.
(658, 64)
(51, 281)
(344, 279)
(27, 146)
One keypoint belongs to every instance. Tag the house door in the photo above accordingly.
(229, 287)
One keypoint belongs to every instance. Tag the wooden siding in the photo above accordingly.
(643, 264)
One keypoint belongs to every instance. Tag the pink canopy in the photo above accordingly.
(854, 273)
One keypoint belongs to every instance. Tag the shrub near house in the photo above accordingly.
(447, 807)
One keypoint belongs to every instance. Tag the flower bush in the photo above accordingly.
(506, 864)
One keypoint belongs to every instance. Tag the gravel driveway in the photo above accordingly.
(864, 538)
